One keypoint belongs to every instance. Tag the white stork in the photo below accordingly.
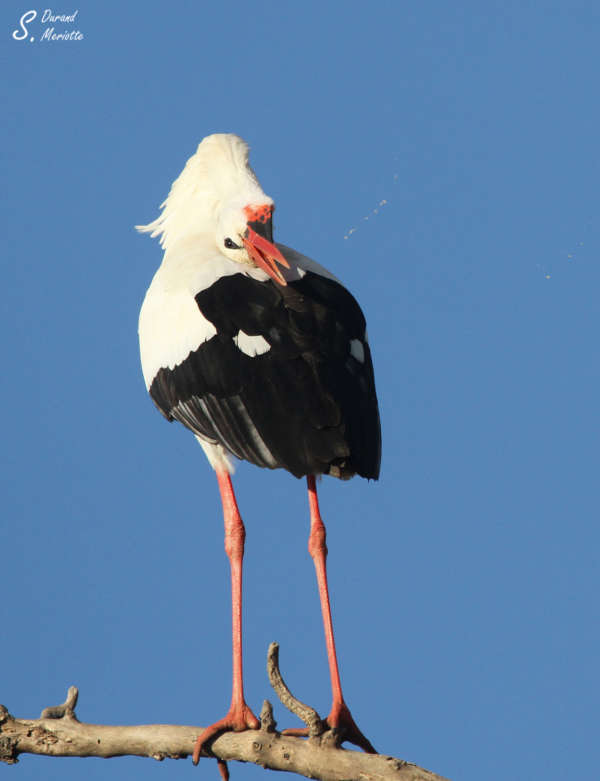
(263, 355)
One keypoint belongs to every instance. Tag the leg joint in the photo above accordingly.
(317, 539)
(235, 537)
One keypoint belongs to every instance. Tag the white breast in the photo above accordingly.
(171, 325)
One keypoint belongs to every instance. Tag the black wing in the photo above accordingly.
(307, 403)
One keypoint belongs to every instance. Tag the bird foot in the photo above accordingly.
(341, 722)
(238, 718)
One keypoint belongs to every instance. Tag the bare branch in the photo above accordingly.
(68, 737)
(58, 733)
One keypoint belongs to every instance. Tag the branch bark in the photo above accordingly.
(59, 733)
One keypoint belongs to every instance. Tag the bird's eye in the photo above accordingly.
(231, 244)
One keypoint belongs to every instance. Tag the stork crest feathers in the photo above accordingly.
(215, 176)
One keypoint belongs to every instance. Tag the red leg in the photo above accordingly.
(239, 717)
(339, 716)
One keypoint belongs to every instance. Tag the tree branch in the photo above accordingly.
(304, 712)
(59, 733)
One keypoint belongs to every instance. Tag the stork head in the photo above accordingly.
(218, 194)
(245, 234)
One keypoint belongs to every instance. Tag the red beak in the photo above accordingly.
(265, 255)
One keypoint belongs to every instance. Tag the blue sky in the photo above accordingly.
(464, 582)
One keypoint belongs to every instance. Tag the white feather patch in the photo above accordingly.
(357, 350)
(171, 327)
(217, 456)
(251, 345)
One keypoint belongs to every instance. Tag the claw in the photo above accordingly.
(238, 719)
(340, 719)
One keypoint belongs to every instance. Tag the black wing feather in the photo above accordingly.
(307, 404)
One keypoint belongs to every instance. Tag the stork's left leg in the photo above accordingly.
(239, 717)
(339, 716)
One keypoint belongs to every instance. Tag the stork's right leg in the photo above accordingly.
(239, 717)
(339, 716)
